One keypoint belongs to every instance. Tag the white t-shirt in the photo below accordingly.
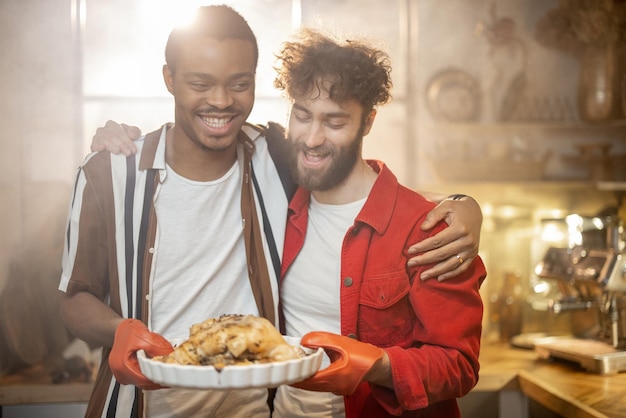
(311, 300)
(216, 278)
(216, 283)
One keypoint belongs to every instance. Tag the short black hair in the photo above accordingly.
(218, 22)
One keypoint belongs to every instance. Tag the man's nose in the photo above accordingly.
(314, 135)
(219, 97)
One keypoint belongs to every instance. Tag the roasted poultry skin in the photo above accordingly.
(232, 339)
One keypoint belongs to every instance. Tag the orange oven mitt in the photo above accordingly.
(351, 360)
(132, 335)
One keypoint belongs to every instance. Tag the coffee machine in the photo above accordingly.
(591, 279)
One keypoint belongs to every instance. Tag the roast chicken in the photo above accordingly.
(232, 339)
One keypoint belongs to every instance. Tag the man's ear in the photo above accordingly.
(168, 77)
(369, 121)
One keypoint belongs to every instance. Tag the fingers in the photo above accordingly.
(432, 244)
(461, 238)
(133, 132)
(451, 267)
(107, 138)
(452, 255)
(447, 266)
(447, 243)
(115, 139)
(435, 216)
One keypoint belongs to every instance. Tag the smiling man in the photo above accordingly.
(399, 345)
(162, 241)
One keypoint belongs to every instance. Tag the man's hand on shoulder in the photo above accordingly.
(116, 138)
(455, 247)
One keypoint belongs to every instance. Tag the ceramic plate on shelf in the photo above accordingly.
(261, 375)
(453, 95)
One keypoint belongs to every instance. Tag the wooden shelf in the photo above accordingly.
(614, 186)
(566, 125)
(546, 185)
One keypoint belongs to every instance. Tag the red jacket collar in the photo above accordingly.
(377, 209)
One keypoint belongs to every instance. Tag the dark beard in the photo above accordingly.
(343, 161)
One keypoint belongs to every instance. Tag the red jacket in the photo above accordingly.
(431, 330)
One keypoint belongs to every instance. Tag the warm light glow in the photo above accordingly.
(165, 15)
(487, 209)
(134, 69)
(541, 287)
(296, 14)
(574, 229)
(598, 223)
(508, 212)
(552, 233)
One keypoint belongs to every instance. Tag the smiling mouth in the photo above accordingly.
(217, 123)
(311, 157)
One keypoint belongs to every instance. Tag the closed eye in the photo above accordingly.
(335, 125)
(199, 86)
(241, 86)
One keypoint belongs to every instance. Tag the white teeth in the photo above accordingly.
(311, 156)
(216, 122)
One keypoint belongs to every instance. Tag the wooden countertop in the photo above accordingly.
(26, 394)
(561, 387)
(34, 385)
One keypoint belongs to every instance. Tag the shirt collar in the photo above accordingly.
(153, 150)
(379, 204)
(381, 201)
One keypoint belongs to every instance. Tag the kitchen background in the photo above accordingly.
(517, 103)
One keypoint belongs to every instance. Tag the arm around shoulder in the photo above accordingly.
(453, 248)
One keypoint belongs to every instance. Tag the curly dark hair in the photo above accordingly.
(352, 70)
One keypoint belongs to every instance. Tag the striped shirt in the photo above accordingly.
(112, 227)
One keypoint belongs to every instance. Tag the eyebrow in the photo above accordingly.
(338, 114)
(206, 76)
